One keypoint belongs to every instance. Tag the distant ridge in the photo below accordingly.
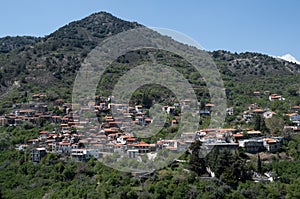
(10, 43)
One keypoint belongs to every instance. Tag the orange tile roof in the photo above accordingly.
(131, 139)
(33, 140)
(125, 136)
(258, 110)
(270, 140)
(142, 144)
(64, 143)
(59, 101)
(26, 111)
(237, 135)
(109, 130)
(291, 114)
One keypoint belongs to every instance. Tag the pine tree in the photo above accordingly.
(197, 164)
(259, 124)
(259, 167)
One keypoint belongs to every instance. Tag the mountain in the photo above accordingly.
(49, 64)
(52, 61)
(289, 58)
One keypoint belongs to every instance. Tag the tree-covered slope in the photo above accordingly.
(49, 64)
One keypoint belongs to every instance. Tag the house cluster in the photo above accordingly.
(79, 136)
(272, 97)
(35, 112)
(252, 141)
(294, 118)
(255, 109)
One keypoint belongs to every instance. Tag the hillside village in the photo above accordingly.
(82, 139)
(51, 147)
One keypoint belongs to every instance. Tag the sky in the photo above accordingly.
(266, 26)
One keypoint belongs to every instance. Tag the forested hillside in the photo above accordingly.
(49, 65)
(51, 62)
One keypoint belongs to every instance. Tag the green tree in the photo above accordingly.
(197, 163)
(259, 124)
(259, 165)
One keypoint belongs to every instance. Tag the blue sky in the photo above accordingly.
(267, 26)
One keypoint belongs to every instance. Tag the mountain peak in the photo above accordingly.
(100, 25)
(101, 14)
(290, 58)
